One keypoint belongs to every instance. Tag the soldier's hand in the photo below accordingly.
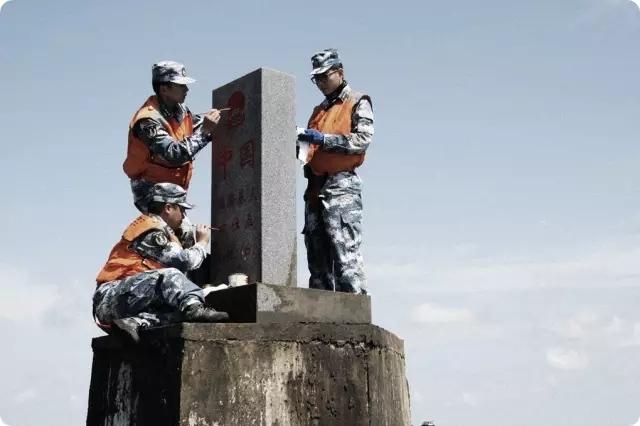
(312, 136)
(210, 121)
(172, 235)
(203, 234)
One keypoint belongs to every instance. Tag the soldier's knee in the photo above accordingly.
(170, 272)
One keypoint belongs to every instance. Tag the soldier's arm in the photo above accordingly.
(160, 143)
(198, 119)
(157, 246)
(361, 134)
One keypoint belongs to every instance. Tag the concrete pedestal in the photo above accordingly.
(251, 374)
(268, 303)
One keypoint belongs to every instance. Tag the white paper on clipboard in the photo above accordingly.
(303, 148)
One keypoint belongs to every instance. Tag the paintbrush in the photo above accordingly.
(220, 110)
(213, 228)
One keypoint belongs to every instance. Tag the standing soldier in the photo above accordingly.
(164, 137)
(340, 131)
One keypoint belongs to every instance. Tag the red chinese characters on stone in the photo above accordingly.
(235, 117)
(235, 200)
(223, 159)
(247, 154)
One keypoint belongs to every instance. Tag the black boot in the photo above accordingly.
(126, 329)
(197, 312)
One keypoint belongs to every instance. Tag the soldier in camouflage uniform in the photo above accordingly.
(340, 130)
(164, 137)
(143, 282)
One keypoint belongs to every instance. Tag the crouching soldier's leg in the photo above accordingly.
(151, 298)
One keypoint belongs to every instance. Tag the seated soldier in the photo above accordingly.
(143, 282)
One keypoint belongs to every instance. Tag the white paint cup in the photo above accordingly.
(236, 280)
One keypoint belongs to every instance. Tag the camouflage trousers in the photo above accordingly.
(333, 235)
(140, 189)
(155, 297)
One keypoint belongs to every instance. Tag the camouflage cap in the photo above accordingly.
(169, 193)
(324, 61)
(170, 72)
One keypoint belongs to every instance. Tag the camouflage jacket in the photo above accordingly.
(156, 245)
(361, 134)
(153, 134)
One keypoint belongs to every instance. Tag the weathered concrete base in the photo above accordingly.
(251, 374)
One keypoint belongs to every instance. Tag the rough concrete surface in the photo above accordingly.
(252, 374)
(267, 303)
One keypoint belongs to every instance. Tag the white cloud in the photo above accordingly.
(469, 399)
(637, 423)
(465, 249)
(567, 359)
(596, 269)
(25, 396)
(429, 313)
(2, 3)
(399, 271)
(602, 265)
(552, 380)
(2, 423)
(634, 340)
(590, 327)
(616, 325)
(603, 9)
(579, 326)
(21, 298)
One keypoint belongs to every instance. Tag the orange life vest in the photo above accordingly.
(335, 120)
(141, 163)
(123, 260)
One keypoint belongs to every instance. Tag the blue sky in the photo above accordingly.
(502, 214)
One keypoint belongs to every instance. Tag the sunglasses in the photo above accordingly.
(317, 78)
(174, 85)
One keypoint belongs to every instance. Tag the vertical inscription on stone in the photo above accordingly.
(253, 182)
